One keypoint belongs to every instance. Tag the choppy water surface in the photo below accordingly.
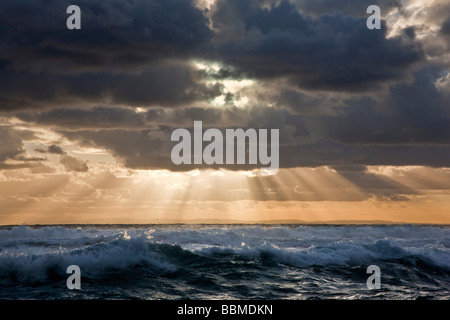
(225, 262)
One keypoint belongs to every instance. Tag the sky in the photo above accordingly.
(86, 115)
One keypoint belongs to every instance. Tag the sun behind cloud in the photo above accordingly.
(86, 116)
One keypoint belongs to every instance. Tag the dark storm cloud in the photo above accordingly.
(327, 153)
(167, 86)
(173, 86)
(120, 54)
(137, 53)
(330, 52)
(115, 34)
(303, 103)
(415, 114)
(408, 126)
(141, 148)
(127, 118)
(150, 149)
(97, 117)
(85, 84)
(360, 135)
(445, 28)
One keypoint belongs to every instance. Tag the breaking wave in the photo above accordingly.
(203, 258)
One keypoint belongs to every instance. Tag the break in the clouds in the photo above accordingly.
(339, 93)
(138, 53)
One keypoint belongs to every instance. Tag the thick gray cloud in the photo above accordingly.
(127, 118)
(303, 103)
(173, 86)
(114, 34)
(445, 28)
(97, 117)
(410, 127)
(119, 55)
(415, 114)
(137, 53)
(340, 94)
(141, 148)
(326, 153)
(330, 52)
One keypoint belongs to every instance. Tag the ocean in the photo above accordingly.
(225, 261)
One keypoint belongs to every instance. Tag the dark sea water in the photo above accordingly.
(225, 262)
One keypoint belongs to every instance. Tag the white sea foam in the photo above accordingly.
(32, 254)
